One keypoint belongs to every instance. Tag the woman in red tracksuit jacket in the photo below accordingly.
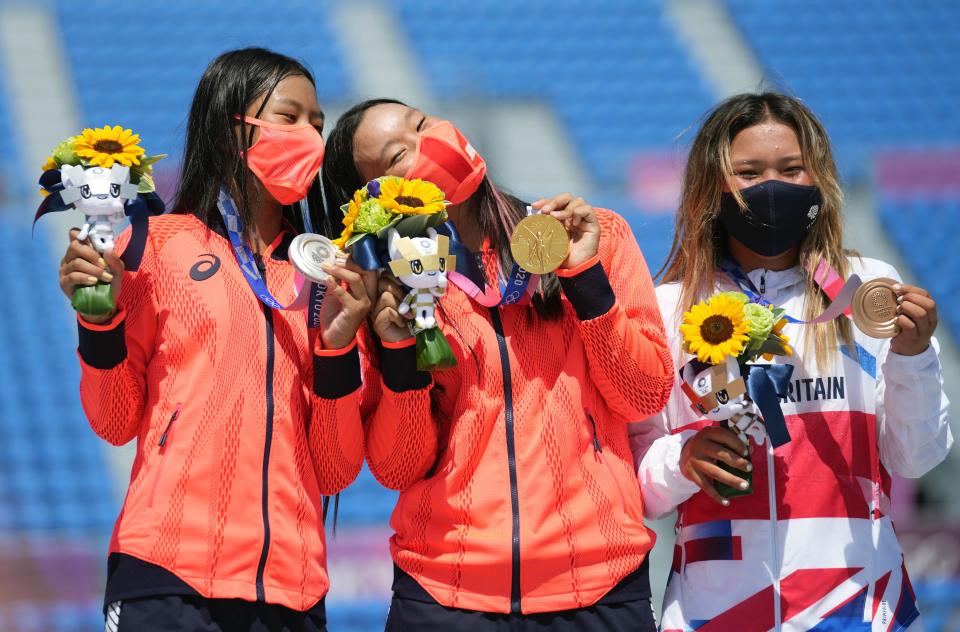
(244, 417)
(518, 501)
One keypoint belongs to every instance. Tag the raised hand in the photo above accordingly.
(83, 266)
(580, 220)
(346, 306)
(917, 320)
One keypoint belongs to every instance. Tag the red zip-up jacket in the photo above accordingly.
(242, 425)
(518, 492)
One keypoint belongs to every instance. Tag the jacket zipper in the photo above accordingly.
(511, 460)
(173, 418)
(772, 499)
(268, 318)
(596, 439)
(162, 444)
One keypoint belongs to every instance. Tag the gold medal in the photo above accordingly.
(875, 308)
(539, 243)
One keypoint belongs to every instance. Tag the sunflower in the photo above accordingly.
(50, 163)
(105, 145)
(350, 216)
(715, 329)
(410, 197)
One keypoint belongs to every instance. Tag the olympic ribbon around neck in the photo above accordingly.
(518, 288)
(824, 275)
(306, 297)
(840, 292)
(766, 385)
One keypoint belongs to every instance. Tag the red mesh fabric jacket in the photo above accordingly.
(236, 441)
(518, 492)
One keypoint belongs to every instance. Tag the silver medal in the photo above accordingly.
(308, 252)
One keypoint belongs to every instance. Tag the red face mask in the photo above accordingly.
(446, 158)
(286, 158)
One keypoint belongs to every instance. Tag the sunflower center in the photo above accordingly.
(108, 147)
(716, 329)
(407, 200)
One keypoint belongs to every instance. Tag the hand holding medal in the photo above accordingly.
(916, 319)
(562, 232)
(318, 260)
(883, 308)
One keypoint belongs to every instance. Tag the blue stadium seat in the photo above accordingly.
(356, 616)
(908, 222)
(606, 77)
(10, 185)
(151, 90)
(54, 474)
(867, 68)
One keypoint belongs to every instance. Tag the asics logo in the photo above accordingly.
(205, 268)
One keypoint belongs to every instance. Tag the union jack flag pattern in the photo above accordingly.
(813, 547)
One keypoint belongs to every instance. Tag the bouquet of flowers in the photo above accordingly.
(402, 215)
(726, 333)
(104, 173)
(729, 325)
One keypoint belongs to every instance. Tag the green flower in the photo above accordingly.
(759, 319)
(64, 154)
(372, 217)
(737, 297)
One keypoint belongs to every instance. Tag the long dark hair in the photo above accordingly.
(213, 153)
(498, 211)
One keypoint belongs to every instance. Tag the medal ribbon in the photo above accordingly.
(518, 288)
(304, 297)
(840, 292)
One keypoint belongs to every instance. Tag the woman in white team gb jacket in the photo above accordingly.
(812, 547)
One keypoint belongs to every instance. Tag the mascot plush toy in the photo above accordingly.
(421, 264)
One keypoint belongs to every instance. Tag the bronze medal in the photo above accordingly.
(539, 244)
(308, 252)
(875, 308)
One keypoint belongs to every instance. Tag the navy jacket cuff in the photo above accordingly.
(102, 348)
(589, 292)
(398, 365)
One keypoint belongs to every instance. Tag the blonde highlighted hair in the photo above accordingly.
(700, 241)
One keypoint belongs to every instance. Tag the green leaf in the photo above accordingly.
(752, 347)
(93, 300)
(146, 184)
(417, 225)
(433, 351)
(773, 345)
(382, 233)
(146, 161)
(354, 238)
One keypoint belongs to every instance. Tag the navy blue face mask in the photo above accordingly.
(778, 216)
